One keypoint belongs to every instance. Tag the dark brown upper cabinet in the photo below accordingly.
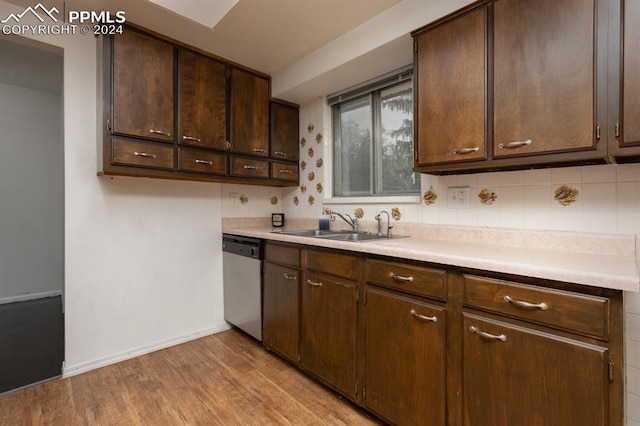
(249, 113)
(203, 101)
(285, 130)
(143, 100)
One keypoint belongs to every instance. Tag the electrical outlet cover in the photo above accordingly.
(458, 197)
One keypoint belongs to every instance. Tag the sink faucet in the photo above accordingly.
(379, 219)
(351, 221)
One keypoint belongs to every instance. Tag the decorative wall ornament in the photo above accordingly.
(303, 142)
(430, 197)
(327, 211)
(303, 188)
(319, 138)
(303, 164)
(310, 127)
(395, 214)
(310, 151)
(487, 197)
(319, 162)
(274, 200)
(296, 200)
(358, 213)
(566, 195)
(244, 199)
(311, 200)
(311, 176)
(319, 187)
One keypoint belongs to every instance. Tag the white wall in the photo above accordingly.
(31, 194)
(142, 257)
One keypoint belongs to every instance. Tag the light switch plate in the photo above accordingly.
(458, 197)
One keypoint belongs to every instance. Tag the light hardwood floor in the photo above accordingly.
(223, 379)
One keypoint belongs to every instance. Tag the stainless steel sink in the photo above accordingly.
(338, 235)
(308, 232)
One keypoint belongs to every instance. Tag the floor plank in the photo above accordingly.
(224, 379)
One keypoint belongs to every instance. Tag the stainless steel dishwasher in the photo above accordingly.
(242, 283)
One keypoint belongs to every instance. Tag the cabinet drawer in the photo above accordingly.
(584, 314)
(338, 264)
(195, 160)
(282, 255)
(406, 277)
(246, 167)
(142, 154)
(284, 171)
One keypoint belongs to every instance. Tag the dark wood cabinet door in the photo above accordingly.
(328, 331)
(631, 77)
(516, 376)
(249, 113)
(404, 359)
(544, 82)
(451, 91)
(142, 86)
(203, 101)
(280, 313)
(284, 131)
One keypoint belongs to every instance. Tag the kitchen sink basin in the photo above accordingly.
(338, 235)
(308, 232)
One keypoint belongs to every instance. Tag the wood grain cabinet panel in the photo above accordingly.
(203, 101)
(281, 310)
(334, 263)
(284, 171)
(283, 254)
(143, 86)
(631, 75)
(142, 154)
(407, 277)
(249, 113)
(544, 82)
(201, 161)
(250, 168)
(284, 130)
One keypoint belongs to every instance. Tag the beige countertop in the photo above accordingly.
(599, 260)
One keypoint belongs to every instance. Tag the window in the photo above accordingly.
(373, 139)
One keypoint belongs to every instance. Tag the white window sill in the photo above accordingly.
(402, 199)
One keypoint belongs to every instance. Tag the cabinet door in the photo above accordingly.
(203, 101)
(280, 313)
(142, 86)
(516, 376)
(544, 82)
(328, 335)
(450, 91)
(631, 78)
(404, 359)
(249, 113)
(284, 131)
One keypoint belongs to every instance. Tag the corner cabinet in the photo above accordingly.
(513, 84)
(173, 112)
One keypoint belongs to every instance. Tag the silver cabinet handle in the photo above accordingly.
(259, 150)
(423, 317)
(501, 337)
(400, 278)
(286, 171)
(191, 138)
(280, 153)
(290, 277)
(465, 150)
(159, 132)
(313, 283)
(526, 305)
(250, 167)
(516, 144)
(204, 162)
(144, 154)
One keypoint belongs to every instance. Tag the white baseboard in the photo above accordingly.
(68, 371)
(31, 296)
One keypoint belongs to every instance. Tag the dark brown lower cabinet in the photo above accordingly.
(281, 312)
(404, 371)
(514, 375)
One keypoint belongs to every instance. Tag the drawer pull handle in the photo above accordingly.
(204, 162)
(488, 336)
(526, 305)
(250, 167)
(159, 132)
(191, 138)
(144, 154)
(259, 150)
(286, 171)
(400, 278)
(290, 277)
(313, 283)
(423, 317)
(465, 150)
(281, 154)
(515, 144)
